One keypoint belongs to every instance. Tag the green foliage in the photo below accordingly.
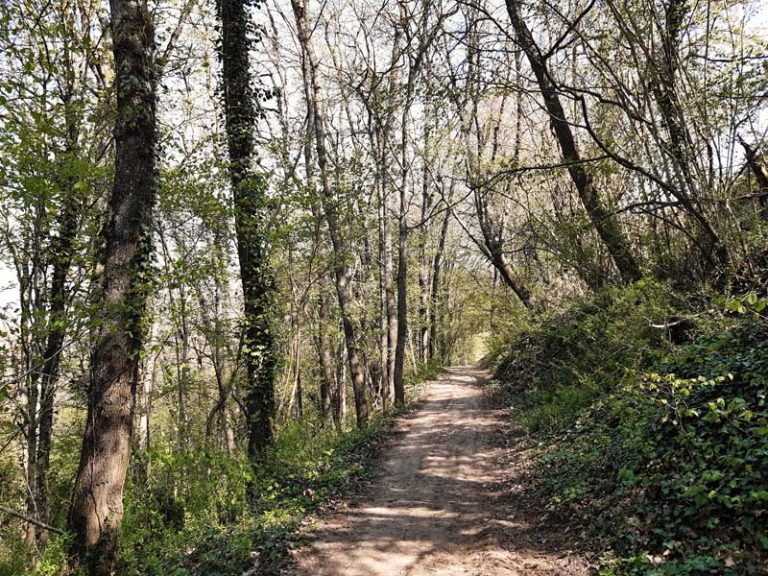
(14, 554)
(570, 357)
(741, 304)
(188, 490)
(423, 374)
(646, 565)
(660, 450)
(202, 524)
(671, 465)
(54, 556)
(14, 557)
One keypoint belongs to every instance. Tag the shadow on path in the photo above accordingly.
(439, 505)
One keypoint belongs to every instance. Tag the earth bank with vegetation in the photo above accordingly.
(649, 417)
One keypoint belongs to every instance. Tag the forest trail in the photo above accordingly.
(448, 500)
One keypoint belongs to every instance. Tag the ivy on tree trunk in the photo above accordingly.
(249, 189)
(97, 502)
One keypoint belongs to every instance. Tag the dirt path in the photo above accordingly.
(441, 504)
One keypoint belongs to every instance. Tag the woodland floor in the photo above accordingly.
(449, 498)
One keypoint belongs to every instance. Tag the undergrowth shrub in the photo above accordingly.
(193, 518)
(204, 525)
(186, 506)
(568, 358)
(658, 446)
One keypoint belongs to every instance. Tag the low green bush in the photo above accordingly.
(207, 528)
(187, 510)
(194, 519)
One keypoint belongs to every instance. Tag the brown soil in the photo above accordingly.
(449, 500)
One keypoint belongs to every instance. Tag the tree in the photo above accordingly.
(251, 221)
(97, 502)
(468, 97)
(341, 249)
(606, 223)
(53, 179)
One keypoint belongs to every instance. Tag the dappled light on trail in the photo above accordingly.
(441, 503)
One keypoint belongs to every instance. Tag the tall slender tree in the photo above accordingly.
(249, 190)
(604, 221)
(341, 248)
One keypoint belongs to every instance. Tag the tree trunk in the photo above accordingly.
(388, 323)
(251, 223)
(493, 247)
(423, 347)
(391, 308)
(97, 501)
(606, 223)
(147, 379)
(145, 404)
(62, 252)
(680, 145)
(403, 231)
(340, 390)
(33, 400)
(388, 318)
(423, 344)
(426, 205)
(435, 301)
(402, 303)
(758, 170)
(385, 389)
(341, 252)
(52, 357)
(324, 353)
(298, 395)
(492, 227)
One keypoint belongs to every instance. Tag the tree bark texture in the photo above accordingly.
(434, 297)
(97, 502)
